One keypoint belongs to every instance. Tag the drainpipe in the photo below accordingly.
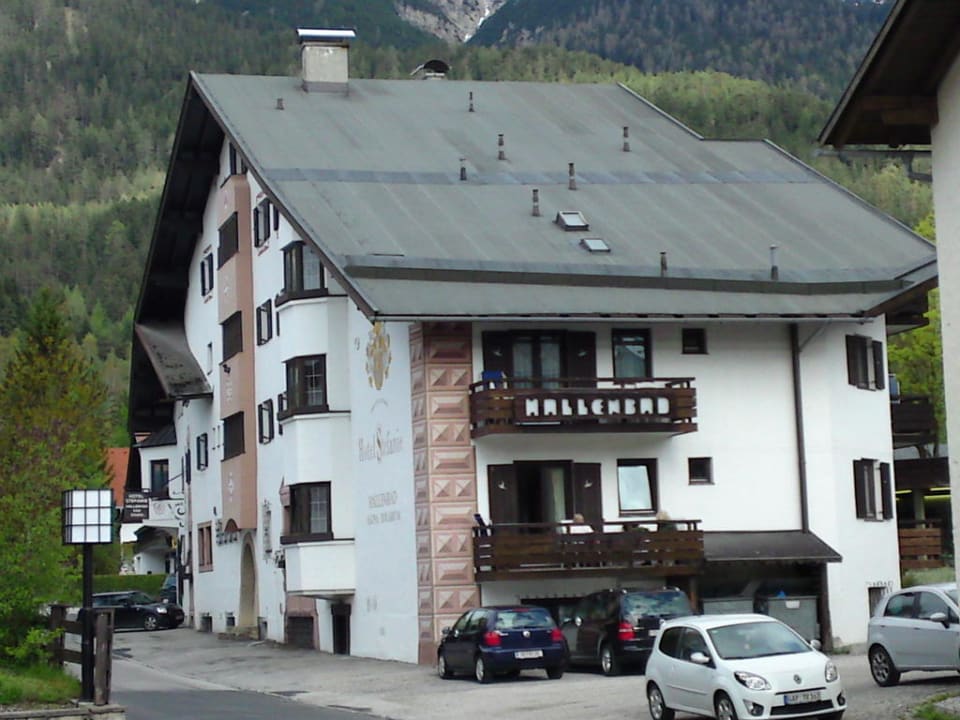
(798, 418)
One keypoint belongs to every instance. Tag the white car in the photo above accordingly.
(917, 628)
(740, 666)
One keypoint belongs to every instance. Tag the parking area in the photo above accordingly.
(413, 692)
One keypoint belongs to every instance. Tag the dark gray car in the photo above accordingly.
(135, 609)
(917, 628)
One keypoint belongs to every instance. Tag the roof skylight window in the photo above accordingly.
(571, 220)
(594, 245)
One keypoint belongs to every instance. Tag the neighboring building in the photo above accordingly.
(375, 309)
(906, 96)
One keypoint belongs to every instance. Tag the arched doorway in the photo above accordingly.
(248, 589)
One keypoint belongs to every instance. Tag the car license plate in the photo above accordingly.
(801, 697)
(528, 654)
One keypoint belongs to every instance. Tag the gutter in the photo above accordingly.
(798, 419)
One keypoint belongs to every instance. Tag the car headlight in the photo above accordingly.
(830, 672)
(751, 681)
(161, 610)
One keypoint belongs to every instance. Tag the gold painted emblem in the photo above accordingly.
(378, 355)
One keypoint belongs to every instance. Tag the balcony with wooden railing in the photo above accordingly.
(525, 551)
(531, 405)
(921, 544)
(913, 421)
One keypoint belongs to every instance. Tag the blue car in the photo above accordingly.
(502, 640)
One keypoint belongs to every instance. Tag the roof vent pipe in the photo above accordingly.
(279, 103)
(663, 263)
(774, 270)
(324, 56)
(536, 202)
(626, 138)
(571, 170)
(463, 170)
(501, 153)
(471, 101)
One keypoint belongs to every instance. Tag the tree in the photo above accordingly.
(52, 417)
(916, 357)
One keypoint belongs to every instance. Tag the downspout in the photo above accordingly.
(798, 420)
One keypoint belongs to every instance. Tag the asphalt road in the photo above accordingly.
(149, 695)
(262, 680)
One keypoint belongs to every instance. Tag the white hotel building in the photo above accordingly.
(375, 309)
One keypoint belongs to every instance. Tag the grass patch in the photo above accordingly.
(40, 684)
(930, 711)
(928, 576)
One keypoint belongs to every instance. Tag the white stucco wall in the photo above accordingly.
(946, 180)
(384, 621)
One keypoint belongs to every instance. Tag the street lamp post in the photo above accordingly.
(87, 521)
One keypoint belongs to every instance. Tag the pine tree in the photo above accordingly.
(52, 421)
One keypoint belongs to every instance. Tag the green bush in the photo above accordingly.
(928, 576)
(150, 584)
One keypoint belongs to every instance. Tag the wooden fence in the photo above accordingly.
(102, 646)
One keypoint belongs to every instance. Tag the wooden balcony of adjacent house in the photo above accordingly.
(921, 544)
(535, 405)
(525, 551)
(913, 421)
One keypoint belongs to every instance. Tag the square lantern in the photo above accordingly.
(87, 517)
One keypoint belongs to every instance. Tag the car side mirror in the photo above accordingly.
(699, 658)
(940, 617)
(815, 644)
(445, 632)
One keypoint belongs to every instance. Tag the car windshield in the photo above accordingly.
(952, 594)
(524, 619)
(140, 598)
(659, 603)
(756, 639)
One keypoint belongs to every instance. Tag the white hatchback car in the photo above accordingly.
(917, 628)
(740, 666)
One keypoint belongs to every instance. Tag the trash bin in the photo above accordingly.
(728, 605)
(797, 611)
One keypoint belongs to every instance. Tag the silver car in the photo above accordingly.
(917, 628)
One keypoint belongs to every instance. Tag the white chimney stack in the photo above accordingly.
(324, 54)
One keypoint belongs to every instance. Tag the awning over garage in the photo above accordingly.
(767, 546)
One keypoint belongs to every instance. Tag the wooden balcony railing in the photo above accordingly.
(913, 421)
(551, 550)
(522, 405)
(921, 544)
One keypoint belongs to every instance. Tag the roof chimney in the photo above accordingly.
(324, 58)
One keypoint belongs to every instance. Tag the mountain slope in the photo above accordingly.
(814, 43)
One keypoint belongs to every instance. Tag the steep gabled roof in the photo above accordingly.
(892, 99)
(373, 178)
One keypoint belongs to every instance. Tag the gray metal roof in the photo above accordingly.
(373, 178)
(768, 546)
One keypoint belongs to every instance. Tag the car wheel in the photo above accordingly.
(608, 660)
(658, 706)
(884, 672)
(151, 622)
(555, 673)
(723, 706)
(481, 672)
(443, 670)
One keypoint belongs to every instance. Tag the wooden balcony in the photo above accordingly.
(550, 550)
(523, 405)
(913, 421)
(921, 544)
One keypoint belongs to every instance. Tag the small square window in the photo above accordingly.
(700, 470)
(694, 341)
(594, 245)
(232, 329)
(571, 220)
(637, 486)
(206, 274)
(203, 454)
(261, 223)
(265, 420)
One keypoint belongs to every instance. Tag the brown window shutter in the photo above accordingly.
(878, 372)
(502, 492)
(886, 491)
(587, 498)
(497, 353)
(852, 359)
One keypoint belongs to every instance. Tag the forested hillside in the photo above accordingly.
(92, 90)
(815, 44)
